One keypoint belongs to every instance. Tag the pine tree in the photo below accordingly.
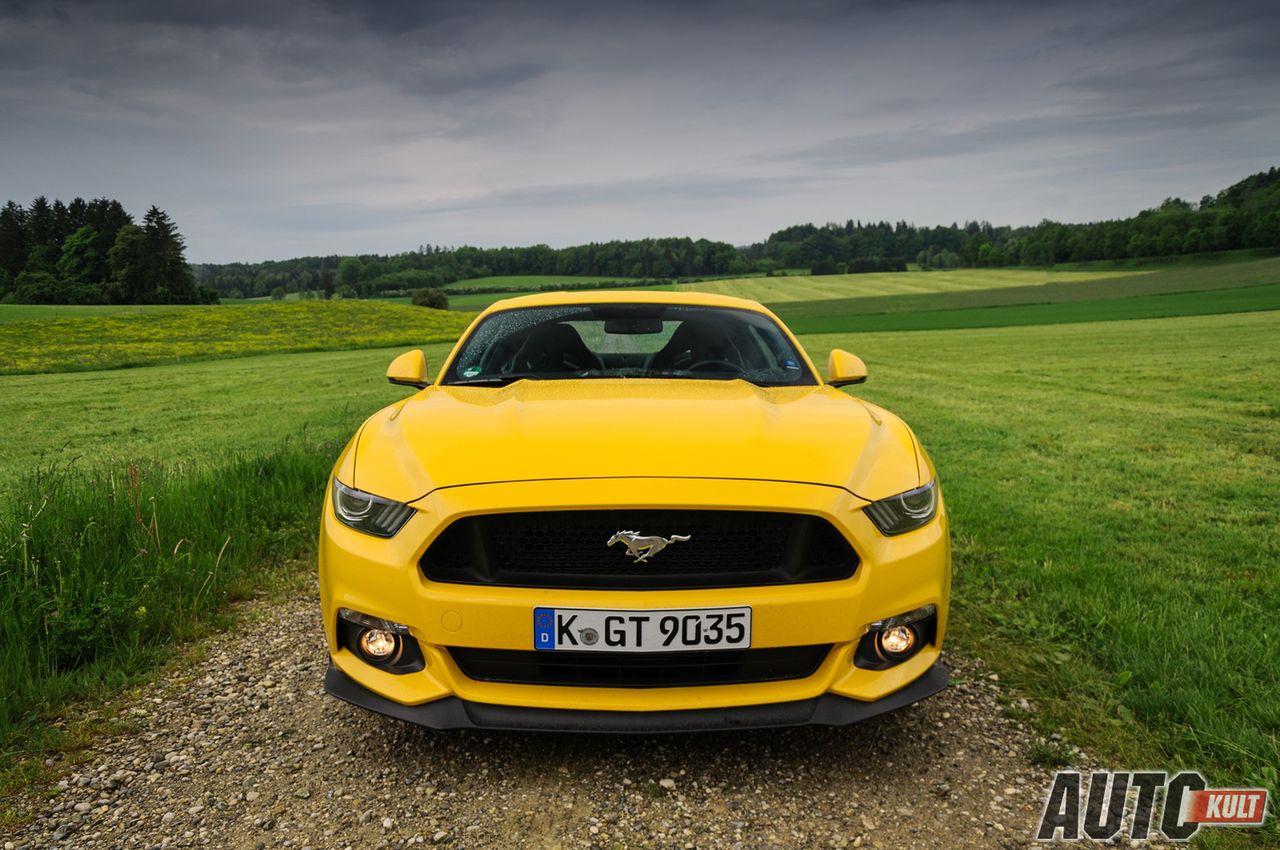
(13, 240)
(168, 272)
(40, 224)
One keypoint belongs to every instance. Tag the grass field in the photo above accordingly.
(34, 312)
(1116, 521)
(1162, 282)
(61, 345)
(1208, 258)
(477, 301)
(1238, 300)
(530, 282)
(777, 290)
(178, 413)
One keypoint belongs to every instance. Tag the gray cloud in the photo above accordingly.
(1032, 132)
(275, 128)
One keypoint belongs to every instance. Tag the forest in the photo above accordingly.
(92, 252)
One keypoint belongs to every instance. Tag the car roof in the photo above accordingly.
(626, 296)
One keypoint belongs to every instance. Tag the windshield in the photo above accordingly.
(628, 341)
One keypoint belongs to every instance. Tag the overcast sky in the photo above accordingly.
(275, 129)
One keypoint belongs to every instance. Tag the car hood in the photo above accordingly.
(538, 430)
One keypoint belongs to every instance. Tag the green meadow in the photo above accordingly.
(1235, 300)
(117, 340)
(190, 413)
(1110, 477)
(476, 301)
(1157, 282)
(778, 290)
(32, 312)
(528, 282)
(1116, 521)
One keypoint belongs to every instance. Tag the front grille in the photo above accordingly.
(567, 549)
(639, 669)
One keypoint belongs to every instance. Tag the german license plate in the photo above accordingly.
(647, 630)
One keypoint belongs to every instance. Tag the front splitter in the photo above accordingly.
(456, 713)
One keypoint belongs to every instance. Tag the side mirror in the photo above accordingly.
(409, 369)
(844, 368)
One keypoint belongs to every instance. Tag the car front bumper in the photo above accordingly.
(455, 713)
(381, 578)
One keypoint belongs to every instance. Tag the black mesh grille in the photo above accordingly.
(639, 669)
(567, 549)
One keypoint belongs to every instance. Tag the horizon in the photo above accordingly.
(276, 130)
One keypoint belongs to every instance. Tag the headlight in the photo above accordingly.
(367, 512)
(905, 511)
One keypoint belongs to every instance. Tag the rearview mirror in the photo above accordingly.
(633, 326)
(409, 369)
(844, 368)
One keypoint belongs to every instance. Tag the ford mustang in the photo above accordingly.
(633, 512)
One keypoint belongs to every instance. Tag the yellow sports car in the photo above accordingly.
(633, 512)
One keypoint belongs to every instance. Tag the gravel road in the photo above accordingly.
(245, 751)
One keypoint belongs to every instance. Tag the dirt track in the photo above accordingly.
(246, 751)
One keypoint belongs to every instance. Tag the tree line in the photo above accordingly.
(92, 252)
(1244, 215)
(372, 275)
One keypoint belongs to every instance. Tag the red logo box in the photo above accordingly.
(1239, 806)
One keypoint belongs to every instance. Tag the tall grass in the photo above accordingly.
(99, 570)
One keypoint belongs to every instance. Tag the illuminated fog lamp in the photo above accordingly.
(897, 641)
(377, 644)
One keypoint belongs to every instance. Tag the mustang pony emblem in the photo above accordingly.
(643, 548)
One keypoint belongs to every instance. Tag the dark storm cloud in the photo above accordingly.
(273, 128)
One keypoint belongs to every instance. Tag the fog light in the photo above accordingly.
(891, 641)
(898, 640)
(377, 644)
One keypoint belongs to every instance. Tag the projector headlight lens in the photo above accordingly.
(368, 513)
(905, 511)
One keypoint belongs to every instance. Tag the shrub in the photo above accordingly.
(433, 298)
(43, 288)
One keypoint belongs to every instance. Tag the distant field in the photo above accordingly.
(530, 281)
(773, 290)
(1192, 279)
(1245, 299)
(34, 312)
(477, 301)
(1209, 258)
(203, 333)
